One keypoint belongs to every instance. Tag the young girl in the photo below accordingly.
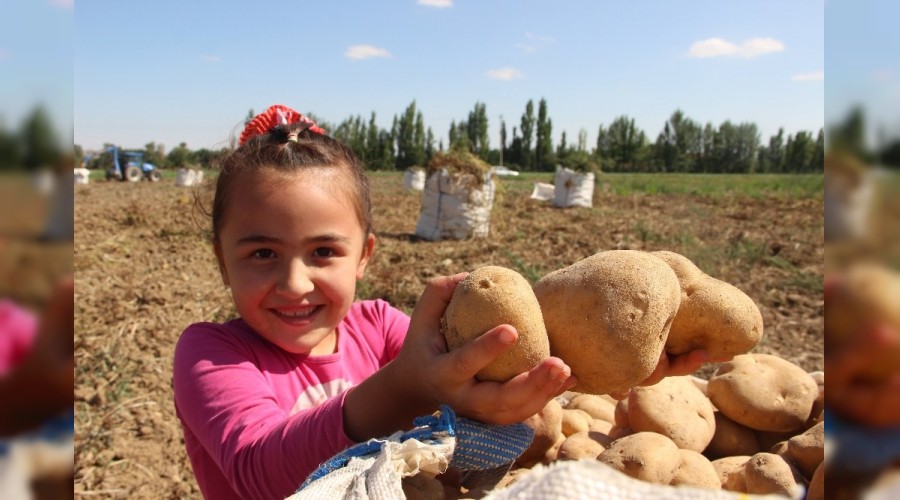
(305, 371)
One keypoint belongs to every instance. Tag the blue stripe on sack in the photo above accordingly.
(481, 446)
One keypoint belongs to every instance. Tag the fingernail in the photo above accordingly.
(456, 278)
(557, 372)
(506, 336)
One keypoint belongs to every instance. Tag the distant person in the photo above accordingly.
(306, 371)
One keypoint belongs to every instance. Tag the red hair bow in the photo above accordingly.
(274, 116)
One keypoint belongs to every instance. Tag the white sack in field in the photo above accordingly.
(452, 209)
(186, 177)
(414, 179)
(573, 189)
(542, 191)
(82, 176)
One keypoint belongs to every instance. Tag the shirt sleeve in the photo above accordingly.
(18, 328)
(226, 402)
(396, 325)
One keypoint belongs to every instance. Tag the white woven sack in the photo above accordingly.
(82, 176)
(577, 480)
(452, 210)
(414, 179)
(379, 476)
(543, 191)
(573, 189)
(186, 177)
(847, 209)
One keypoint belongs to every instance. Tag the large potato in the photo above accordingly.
(647, 456)
(867, 295)
(713, 315)
(770, 474)
(491, 296)
(731, 472)
(696, 470)
(731, 438)
(608, 317)
(763, 392)
(675, 408)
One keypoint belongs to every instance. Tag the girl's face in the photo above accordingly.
(291, 249)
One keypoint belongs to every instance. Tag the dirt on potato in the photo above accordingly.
(144, 271)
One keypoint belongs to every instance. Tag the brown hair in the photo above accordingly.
(286, 149)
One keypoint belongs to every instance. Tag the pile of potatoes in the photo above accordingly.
(608, 316)
(755, 427)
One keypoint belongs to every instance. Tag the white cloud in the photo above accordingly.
(210, 58)
(534, 43)
(809, 77)
(66, 4)
(365, 52)
(718, 47)
(506, 73)
(440, 4)
(539, 38)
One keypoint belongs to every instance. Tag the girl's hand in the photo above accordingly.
(673, 366)
(449, 377)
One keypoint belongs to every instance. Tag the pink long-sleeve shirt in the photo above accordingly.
(18, 328)
(257, 419)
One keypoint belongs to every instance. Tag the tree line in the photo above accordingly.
(682, 145)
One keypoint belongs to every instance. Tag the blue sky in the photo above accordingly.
(176, 71)
(36, 61)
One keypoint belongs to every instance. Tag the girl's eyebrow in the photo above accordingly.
(322, 238)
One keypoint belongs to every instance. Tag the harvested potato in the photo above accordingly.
(608, 317)
(767, 473)
(730, 439)
(713, 315)
(647, 456)
(574, 421)
(596, 406)
(491, 296)
(816, 489)
(731, 472)
(807, 450)
(763, 392)
(621, 413)
(547, 426)
(582, 445)
(422, 487)
(601, 426)
(675, 408)
(696, 470)
(865, 296)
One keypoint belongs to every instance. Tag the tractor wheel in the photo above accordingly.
(133, 174)
(154, 175)
(113, 175)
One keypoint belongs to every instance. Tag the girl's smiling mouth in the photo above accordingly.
(297, 314)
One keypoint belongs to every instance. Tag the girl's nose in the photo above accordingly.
(296, 279)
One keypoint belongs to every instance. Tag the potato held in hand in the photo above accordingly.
(868, 295)
(714, 315)
(608, 317)
(491, 296)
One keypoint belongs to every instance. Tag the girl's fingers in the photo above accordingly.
(433, 302)
(688, 363)
(463, 363)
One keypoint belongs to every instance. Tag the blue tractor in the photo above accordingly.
(131, 167)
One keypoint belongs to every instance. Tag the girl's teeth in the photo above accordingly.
(298, 314)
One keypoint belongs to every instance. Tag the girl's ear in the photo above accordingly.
(217, 247)
(368, 250)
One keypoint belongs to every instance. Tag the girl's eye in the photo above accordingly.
(323, 252)
(263, 253)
